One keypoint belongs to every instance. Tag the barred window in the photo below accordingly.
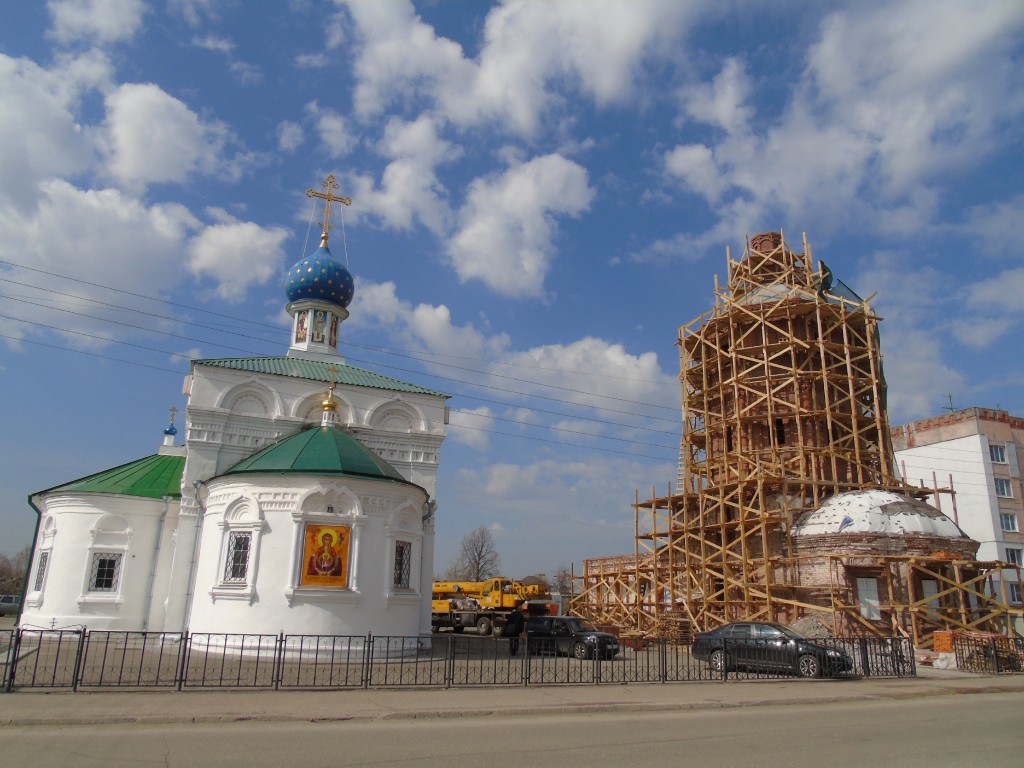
(106, 567)
(236, 565)
(403, 563)
(44, 558)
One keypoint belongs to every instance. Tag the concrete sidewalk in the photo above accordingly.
(56, 708)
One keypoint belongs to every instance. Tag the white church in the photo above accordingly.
(302, 500)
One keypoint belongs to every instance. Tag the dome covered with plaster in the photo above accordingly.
(876, 512)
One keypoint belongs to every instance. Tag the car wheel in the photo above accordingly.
(718, 661)
(808, 666)
(579, 651)
(483, 625)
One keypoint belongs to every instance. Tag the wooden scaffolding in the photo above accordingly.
(783, 406)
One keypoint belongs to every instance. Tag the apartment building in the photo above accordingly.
(979, 452)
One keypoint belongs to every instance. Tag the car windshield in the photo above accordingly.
(580, 625)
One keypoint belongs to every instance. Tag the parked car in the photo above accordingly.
(768, 648)
(9, 604)
(569, 635)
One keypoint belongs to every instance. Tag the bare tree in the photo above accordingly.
(12, 572)
(562, 580)
(478, 559)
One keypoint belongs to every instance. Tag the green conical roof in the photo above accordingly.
(152, 477)
(319, 451)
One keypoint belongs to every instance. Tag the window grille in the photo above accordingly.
(44, 558)
(403, 564)
(106, 567)
(236, 565)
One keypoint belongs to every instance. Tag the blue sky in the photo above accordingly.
(542, 193)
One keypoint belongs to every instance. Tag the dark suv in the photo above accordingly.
(569, 635)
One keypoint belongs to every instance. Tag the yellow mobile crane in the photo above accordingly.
(483, 604)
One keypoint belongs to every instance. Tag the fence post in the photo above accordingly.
(14, 654)
(182, 660)
(449, 660)
(995, 655)
(663, 660)
(527, 662)
(279, 661)
(865, 660)
(367, 660)
(78, 660)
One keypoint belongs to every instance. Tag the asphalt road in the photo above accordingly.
(981, 729)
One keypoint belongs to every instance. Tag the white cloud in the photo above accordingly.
(213, 43)
(153, 137)
(596, 45)
(409, 188)
(470, 426)
(40, 135)
(721, 102)
(892, 100)
(694, 165)
(312, 60)
(245, 73)
(236, 254)
(1001, 293)
(333, 130)
(195, 12)
(95, 236)
(507, 227)
(289, 136)
(99, 21)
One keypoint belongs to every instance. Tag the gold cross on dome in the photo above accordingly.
(328, 197)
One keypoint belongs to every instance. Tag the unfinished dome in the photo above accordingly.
(879, 512)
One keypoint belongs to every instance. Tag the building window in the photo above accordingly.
(44, 558)
(1008, 521)
(1003, 488)
(867, 594)
(106, 567)
(1014, 592)
(1015, 556)
(403, 564)
(997, 452)
(236, 564)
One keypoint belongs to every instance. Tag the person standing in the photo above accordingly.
(513, 629)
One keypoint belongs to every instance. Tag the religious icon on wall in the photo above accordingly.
(325, 556)
(300, 328)
(318, 328)
(334, 330)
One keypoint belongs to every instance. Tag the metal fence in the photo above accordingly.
(993, 655)
(95, 660)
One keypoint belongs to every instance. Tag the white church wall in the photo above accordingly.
(273, 596)
(99, 559)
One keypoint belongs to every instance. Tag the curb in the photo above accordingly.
(382, 714)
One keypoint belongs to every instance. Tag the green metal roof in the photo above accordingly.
(152, 477)
(319, 451)
(317, 370)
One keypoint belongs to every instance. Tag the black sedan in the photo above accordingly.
(768, 648)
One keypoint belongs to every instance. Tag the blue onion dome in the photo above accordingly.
(321, 277)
